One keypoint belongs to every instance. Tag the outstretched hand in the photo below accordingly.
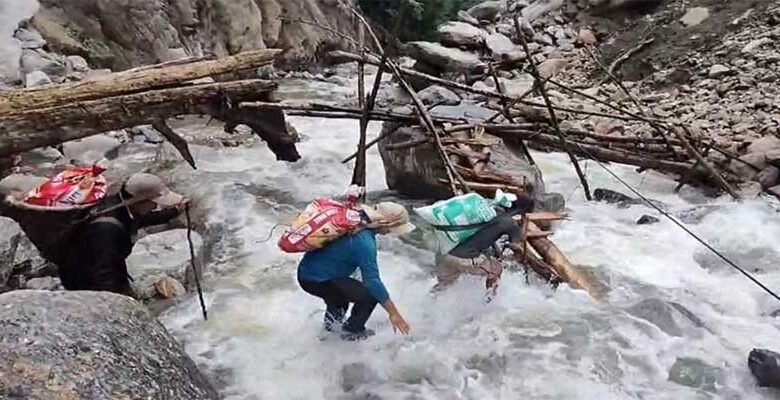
(399, 324)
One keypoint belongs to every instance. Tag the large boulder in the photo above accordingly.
(461, 34)
(500, 46)
(90, 345)
(439, 95)
(416, 172)
(124, 34)
(445, 58)
(161, 255)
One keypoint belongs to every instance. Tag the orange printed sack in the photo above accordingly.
(323, 221)
(72, 187)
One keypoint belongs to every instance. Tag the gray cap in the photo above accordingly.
(150, 187)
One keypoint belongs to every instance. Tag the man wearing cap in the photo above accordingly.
(325, 273)
(97, 255)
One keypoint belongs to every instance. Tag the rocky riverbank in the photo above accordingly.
(706, 65)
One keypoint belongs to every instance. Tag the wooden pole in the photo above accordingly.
(548, 103)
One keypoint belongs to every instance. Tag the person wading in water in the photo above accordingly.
(325, 273)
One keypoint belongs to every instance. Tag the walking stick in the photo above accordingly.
(192, 262)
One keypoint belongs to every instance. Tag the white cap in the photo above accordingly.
(392, 216)
(151, 187)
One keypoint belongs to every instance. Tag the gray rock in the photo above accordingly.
(41, 155)
(464, 16)
(163, 254)
(647, 220)
(78, 63)
(764, 144)
(149, 134)
(718, 71)
(91, 345)
(550, 202)
(17, 183)
(461, 34)
(695, 373)
(144, 32)
(55, 66)
(439, 95)
(586, 36)
(671, 318)
(552, 67)
(518, 86)
(446, 58)
(45, 283)
(90, 149)
(36, 78)
(499, 45)
(487, 10)
(355, 375)
(768, 177)
(29, 38)
(10, 236)
(695, 16)
(755, 44)
(765, 366)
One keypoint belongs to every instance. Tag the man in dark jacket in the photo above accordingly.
(96, 260)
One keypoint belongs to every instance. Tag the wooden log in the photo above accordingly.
(154, 77)
(39, 127)
(603, 154)
(576, 278)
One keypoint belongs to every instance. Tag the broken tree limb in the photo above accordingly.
(695, 154)
(625, 56)
(19, 101)
(38, 127)
(553, 119)
(576, 278)
(177, 141)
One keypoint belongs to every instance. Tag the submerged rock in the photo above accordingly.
(765, 366)
(91, 345)
(160, 255)
(355, 375)
(695, 373)
(647, 220)
(672, 318)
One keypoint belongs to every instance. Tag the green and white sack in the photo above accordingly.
(460, 210)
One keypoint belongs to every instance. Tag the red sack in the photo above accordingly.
(323, 221)
(72, 187)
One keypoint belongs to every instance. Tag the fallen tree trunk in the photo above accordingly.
(553, 257)
(153, 77)
(40, 127)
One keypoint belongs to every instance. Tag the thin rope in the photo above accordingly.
(665, 214)
(271, 233)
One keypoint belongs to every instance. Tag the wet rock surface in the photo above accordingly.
(90, 345)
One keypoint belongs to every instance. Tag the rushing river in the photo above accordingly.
(677, 323)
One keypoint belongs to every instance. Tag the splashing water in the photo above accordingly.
(11, 12)
(670, 303)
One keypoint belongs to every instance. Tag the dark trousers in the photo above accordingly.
(337, 294)
(487, 235)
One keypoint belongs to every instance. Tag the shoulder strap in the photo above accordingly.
(110, 220)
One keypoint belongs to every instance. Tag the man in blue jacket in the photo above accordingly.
(326, 272)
